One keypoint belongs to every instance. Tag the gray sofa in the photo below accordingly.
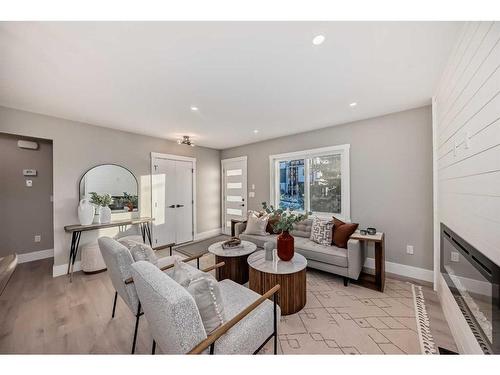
(344, 262)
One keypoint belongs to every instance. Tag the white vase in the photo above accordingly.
(105, 214)
(85, 212)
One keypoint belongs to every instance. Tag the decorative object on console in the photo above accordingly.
(363, 232)
(85, 212)
(103, 202)
(232, 243)
(371, 231)
(341, 232)
(285, 241)
(321, 231)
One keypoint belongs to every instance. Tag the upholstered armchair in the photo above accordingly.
(118, 262)
(175, 321)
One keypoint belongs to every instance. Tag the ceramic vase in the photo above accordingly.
(105, 214)
(85, 212)
(285, 246)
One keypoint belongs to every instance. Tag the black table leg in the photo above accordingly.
(75, 242)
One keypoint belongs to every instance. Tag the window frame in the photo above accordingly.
(307, 155)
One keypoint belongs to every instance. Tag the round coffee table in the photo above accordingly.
(291, 275)
(236, 267)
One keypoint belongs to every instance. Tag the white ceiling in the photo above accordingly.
(143, 77)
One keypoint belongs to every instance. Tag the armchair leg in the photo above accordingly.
(136, 326)
(153, 350)
(114, 305)
(346, 281)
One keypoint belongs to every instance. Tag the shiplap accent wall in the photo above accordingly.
(467, 138)
(466, 131)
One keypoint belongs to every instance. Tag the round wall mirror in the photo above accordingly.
(114, 180)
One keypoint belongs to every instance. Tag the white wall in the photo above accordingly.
(78, 147)
(467, 187)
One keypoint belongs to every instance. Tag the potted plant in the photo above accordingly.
(102, 203)
(283, 224)
(130, 201)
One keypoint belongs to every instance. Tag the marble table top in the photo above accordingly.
(276, 266)
(248, 248)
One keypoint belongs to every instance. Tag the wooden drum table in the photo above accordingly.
(236, 267)
(291, 275)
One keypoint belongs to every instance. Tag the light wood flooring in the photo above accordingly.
(41, 314)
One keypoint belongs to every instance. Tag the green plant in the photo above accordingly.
(132, 199)
(285, 219)
(100, 200)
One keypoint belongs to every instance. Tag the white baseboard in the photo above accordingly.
(210, 233)
(62, 269)
(403, 270)
(35, 255)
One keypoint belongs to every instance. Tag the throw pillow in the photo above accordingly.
(256, 225)
(341, 232)
(128, 243)
(142, 251)
(183, 273)
(207, 295)
(321, 231)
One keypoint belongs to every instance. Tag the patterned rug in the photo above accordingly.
(351, 320)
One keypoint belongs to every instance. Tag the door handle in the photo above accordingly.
(179, 205)
(242, 205)
(171, 206)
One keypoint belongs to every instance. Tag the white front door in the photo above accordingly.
(234, 191)
(172, 199)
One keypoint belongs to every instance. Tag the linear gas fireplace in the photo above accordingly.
(474, 282)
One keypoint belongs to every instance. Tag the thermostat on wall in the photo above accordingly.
(29, 172)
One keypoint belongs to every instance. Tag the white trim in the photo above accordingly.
(159, 155)
(62, 269)
(435, 195)
(239, 158)
(344, 150)
(207, 234)
(244, 189)
(403, 270)
(35, 255)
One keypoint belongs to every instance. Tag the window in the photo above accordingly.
(313, 180)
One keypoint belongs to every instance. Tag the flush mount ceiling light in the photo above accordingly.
(318, 39)
(185, 141)
(256, 131)
(194, 108)
(353, 104)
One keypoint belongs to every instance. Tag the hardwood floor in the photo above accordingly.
(41, 314)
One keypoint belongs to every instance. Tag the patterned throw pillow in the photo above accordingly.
(208, 297)
(142, 251)
(321, 231)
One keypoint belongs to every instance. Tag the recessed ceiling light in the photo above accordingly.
(318, 39)
(194, 108)
(256, 131)
(353, 104)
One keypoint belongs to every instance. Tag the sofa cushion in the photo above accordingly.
(322, 231)
(321, 253)
(302, 228)
(341, 232)
(258, 240)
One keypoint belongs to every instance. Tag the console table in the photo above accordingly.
(376, 281)
(77, 229)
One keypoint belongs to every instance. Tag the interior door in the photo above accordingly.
(172, 198)
(184, 201)
(164, 200)
(234, 191)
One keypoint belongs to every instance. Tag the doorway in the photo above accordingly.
(173, 198)
(234, 191)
